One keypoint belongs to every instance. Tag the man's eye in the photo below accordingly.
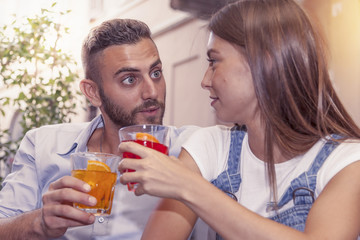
(156, 74)
(129, 80)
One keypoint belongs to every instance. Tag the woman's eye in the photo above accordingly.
(211, 61)
(156, 74)
(129, 80)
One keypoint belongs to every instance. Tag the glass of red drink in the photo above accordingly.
(149, 135)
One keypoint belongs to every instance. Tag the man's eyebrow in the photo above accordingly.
(155, 63)
(126, 69)
(131, 69)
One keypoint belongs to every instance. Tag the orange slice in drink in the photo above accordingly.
(98, 185)
(146, 137)
(97, 166)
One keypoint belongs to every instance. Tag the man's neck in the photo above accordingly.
(110, 141)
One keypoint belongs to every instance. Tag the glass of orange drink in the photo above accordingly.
(99, 170)
(149, 135)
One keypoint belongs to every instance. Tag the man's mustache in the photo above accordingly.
(148, 104)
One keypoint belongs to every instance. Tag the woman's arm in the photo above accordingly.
(334, 215)
(172, 219)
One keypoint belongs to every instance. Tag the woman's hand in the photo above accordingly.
(156, 174)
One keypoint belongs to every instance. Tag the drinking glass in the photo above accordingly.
(99, 170)
(149, 135)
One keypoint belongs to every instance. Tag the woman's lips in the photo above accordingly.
(214, 100)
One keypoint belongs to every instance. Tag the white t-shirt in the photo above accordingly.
(209, 147)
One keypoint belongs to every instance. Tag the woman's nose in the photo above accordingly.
(206, 81)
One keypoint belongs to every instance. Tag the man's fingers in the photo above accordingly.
(64, 216)
(70, 182)
(58, 213)
(68, 195)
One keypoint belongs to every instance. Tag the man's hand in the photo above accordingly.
(58, 213)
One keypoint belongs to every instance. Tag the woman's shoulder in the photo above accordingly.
(209, 136)
(215, 130)
(346, 153)
(342, 156)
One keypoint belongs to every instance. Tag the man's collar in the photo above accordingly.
(80, 142)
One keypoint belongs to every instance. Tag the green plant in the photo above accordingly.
(41, 73)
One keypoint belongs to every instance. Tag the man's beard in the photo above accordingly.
(121, 118)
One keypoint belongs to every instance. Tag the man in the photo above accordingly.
(124, 79)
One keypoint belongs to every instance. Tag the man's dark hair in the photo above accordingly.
(109, 33)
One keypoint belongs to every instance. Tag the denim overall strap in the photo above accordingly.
(305, 193)
(230, 179)
(302, 190)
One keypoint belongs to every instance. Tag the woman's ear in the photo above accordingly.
(91, 91)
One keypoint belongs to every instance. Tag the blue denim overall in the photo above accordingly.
(301, 189)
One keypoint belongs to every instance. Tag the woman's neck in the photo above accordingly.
(256, 138)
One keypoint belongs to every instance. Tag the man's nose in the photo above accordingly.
(150, 90)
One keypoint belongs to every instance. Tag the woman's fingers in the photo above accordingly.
(144, 153)
(134, 148)
(156, 173)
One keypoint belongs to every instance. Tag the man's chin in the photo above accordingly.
(149, 120)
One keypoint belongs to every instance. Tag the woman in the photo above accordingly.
(290, 162)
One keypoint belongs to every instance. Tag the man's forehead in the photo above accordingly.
(141, 54)
(145, 46)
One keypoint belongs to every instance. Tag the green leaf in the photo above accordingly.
(46, 76)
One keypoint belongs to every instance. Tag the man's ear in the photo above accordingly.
(91, 91)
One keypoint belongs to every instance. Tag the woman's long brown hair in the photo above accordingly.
(297, 101)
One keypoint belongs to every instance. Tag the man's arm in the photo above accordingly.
(25, 226)
(56, 215)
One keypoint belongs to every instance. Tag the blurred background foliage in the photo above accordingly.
(41, 74)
